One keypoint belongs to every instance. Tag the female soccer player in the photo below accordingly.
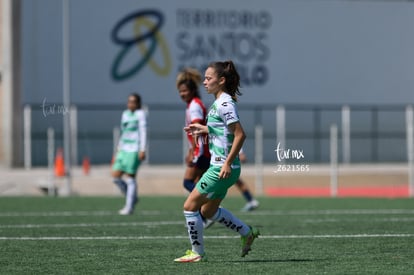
(226, 137)
(198, 157)
(131, 151)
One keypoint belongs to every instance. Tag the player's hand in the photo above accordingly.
(225, 172)
(196, 129)
(141, 156)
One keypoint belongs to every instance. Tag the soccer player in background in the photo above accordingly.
(131, 151)
(198, 157)
(226, 137)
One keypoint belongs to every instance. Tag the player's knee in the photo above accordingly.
(190, 206)
(116, 174)
(187, 207)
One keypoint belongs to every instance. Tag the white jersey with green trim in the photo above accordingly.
(222, 113)
(133, 131)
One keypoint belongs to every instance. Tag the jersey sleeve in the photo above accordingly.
(142, 120)
(196, 112)
(228, 112)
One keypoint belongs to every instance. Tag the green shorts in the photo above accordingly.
(212, 186)
(127, 162)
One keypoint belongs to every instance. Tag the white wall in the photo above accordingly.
(313, 51)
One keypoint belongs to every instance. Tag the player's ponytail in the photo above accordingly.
(191, 78)
(227, 69)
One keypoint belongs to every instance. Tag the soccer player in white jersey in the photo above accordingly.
(198, 157)
(131, 151)
(226, 137)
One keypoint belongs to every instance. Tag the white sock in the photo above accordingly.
(131, 192)
(227, 219)
(195, 230)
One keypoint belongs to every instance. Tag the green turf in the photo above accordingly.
(300, 236)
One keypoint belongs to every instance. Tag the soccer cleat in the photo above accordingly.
(248, 240)
(125, 211)
(190, 257)
(251, 205)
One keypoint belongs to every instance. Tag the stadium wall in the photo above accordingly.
(288, 52)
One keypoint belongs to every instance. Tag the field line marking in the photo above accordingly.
(333, 212)
(65, 225)
(328, 236)
(74, 213)
(336, 220)
(161, 223)
(256, 212)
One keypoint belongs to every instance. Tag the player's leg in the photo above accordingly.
(196, 199)
(221, 215)
(117, 173)
(244, 189)
(192, 175)
(212, 210)
(117, 179)
(207, 196)
(226, 218)
(194, 224)
(131, 197)
(194, 172)
(189, 176)
(195, 175)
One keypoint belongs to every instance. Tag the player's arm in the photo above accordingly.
(143, 135)
(239, 137)
(194, 140)
(192, 150)
(228, 113)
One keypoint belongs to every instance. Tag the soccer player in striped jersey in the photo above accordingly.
(131, 151)
(198, 157)
(226, 137)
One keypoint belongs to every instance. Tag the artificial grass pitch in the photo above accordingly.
(299, 236)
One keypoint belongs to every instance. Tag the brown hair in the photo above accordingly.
(191, 78)
(227, 69)
(137, 100)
